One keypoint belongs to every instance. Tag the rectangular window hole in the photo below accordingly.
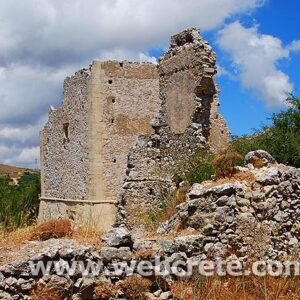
(66, 130)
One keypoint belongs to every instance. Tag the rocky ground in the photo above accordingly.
(257, 212)
(254, 214)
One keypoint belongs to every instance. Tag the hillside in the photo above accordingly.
(10, 170)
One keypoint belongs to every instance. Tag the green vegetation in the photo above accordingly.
(281, 139)
(201, 168)
(19, 204)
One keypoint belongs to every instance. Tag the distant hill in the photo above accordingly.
(12, 170)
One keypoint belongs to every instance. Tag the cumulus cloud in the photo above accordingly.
(123, 54)
(256, 56)
(41, 42)
(27, 157)
(295, 46)
(52, 31)
(26, 92)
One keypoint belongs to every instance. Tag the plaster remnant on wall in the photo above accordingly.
(188, 119)
(124, 130)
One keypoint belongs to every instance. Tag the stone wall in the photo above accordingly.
(255, 212)
(128, 94)
(64, 148)
(130, 103)
(188, 120)
(125, 130)
(104, 110)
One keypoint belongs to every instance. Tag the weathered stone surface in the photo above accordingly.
(61, 284)
(244, 213)
(118, 237)
(5, 296)
(261, 154)
(123, 131)
(87, 287)
(268, 176)
(188, 119)
(110, 253)
(85, 143)
(228, 189)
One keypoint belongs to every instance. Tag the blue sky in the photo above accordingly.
(243, 109)
(41, 42)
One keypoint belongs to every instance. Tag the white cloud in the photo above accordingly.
(41, 42)
(294, 46)
(52, 31)
(123, 54)
(256, 56)
(26, 93)
(5, 152)
(11, 135)
(27, 157)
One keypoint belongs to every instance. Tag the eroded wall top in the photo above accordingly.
(64, 143)
(189, 106)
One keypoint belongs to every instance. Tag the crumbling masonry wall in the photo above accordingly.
(85, 143)
(188, 120)
(125, 130)
(64, 149)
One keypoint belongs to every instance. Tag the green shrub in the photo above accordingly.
(200, 168)
(281, 139)
(19, 204)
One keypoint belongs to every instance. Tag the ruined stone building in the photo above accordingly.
(111, 151)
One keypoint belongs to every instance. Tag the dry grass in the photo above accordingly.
(144, 254)
(42, 292)
(9, 170)
(258, 162)
(224, 163)
(135, 287)
(105, 291)
(178, 198)
(87, 235)
(236, 177)
(52, 229)
(154, 219)
(11, 241)
(237, 288)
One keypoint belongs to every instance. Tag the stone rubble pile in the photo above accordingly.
(263, 210)
(17, 280)
(255, 217)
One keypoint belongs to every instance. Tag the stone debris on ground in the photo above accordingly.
(259, 219)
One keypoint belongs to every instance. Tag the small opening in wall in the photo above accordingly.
(112, 121)
(189, 38)
(114, 160)
(113, 100)
(110, 81)
(151, 191)
(66, 130)
(121, 64)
